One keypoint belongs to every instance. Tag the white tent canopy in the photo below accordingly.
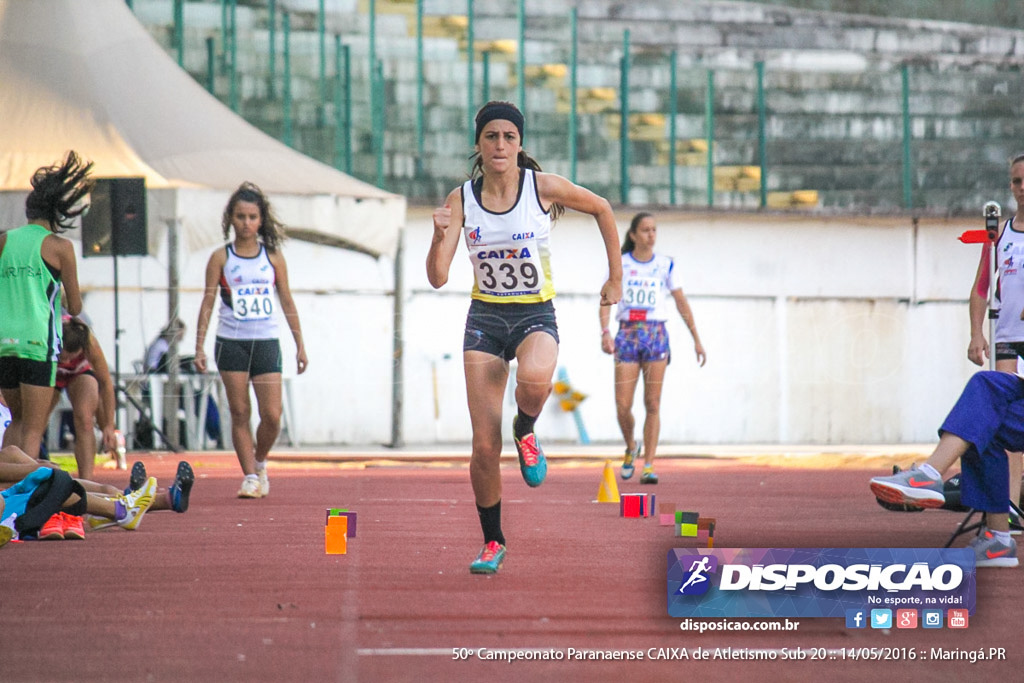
(86, 76)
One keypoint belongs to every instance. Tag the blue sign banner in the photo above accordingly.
(817, 582)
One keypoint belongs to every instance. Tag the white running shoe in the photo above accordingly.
(264, 482)
(250, 487)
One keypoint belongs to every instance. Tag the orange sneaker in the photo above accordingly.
(53, 530)
(74, 528)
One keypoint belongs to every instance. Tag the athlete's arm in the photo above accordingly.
(291, 314)
(604, 314)
(105, 410)
(554, 189)
(60, 254)
(213, 270)
(683, 306)
(448, 221)
(977, 350)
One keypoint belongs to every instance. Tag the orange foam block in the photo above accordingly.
(336, 535)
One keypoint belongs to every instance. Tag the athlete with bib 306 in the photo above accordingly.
(641, 346)
(504, 215)
(244, 276)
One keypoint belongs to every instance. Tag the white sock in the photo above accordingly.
(930, 471)
(1002, 536)
(261, 465)
(251, 476)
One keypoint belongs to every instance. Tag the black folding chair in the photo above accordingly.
(966, 526)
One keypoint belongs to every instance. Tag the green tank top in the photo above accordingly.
(30, 326)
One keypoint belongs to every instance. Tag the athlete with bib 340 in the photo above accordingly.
(504, 215)
(243, 276)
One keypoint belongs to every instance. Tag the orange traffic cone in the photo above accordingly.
(609, 491)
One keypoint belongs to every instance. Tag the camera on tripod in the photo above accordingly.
(992, 212)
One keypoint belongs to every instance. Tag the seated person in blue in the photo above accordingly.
(986, 421)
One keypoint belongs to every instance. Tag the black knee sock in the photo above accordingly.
(490, 522)
(524, 424)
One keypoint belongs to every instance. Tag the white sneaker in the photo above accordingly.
(250, 487)
(264, 482)
(136, 503)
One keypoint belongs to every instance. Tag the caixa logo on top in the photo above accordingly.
(816, 582)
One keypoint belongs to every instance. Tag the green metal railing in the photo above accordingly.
(725, 113)
(624, 120)
(986, 12)
(342, 107)
(287, 132)
(470, 80)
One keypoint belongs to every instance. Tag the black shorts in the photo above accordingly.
(499, 329)
(1009, 350)
(254, 356)
(16, 371)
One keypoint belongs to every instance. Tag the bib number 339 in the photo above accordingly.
(512, 274)
(252, 302)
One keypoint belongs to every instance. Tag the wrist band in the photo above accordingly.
(605, 331)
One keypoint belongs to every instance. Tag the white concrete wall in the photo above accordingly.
(817, 329)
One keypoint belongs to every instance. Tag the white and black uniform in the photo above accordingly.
(509, 251)
(646, 289)
(512, 287)
(247, 297)
(247, 330)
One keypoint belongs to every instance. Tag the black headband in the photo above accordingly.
(499, 110)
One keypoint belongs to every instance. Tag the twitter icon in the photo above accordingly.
(881, 618)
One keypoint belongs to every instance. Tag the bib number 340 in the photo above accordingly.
(252, 303)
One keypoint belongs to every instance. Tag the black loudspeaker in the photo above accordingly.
(115, 224)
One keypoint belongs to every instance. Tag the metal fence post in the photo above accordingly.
(908, 193)
(672, 106)
(321, 29)
(179, 31)
(272, 49)
(709, 131)
(469, 71)
(286, 28)
(573, 86)
(521, 58)
(419, 87)
(761, 137)
(624, 120)
(378, 120)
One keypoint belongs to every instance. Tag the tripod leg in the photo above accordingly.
(143, 410)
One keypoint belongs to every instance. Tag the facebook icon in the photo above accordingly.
(856, 618)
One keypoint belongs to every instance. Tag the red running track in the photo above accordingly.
(241, 590)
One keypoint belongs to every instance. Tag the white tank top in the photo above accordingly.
(247, 301)
(1009, 264)
(646, 288)
(509, 251)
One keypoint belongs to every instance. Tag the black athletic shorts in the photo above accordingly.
(254, 356)
(499, 329)
(16, 371)
(1009, 350)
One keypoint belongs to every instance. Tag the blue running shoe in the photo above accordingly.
(531, 458)
(178, 493)
(648, 476)
(489, 560)
(137, 479)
